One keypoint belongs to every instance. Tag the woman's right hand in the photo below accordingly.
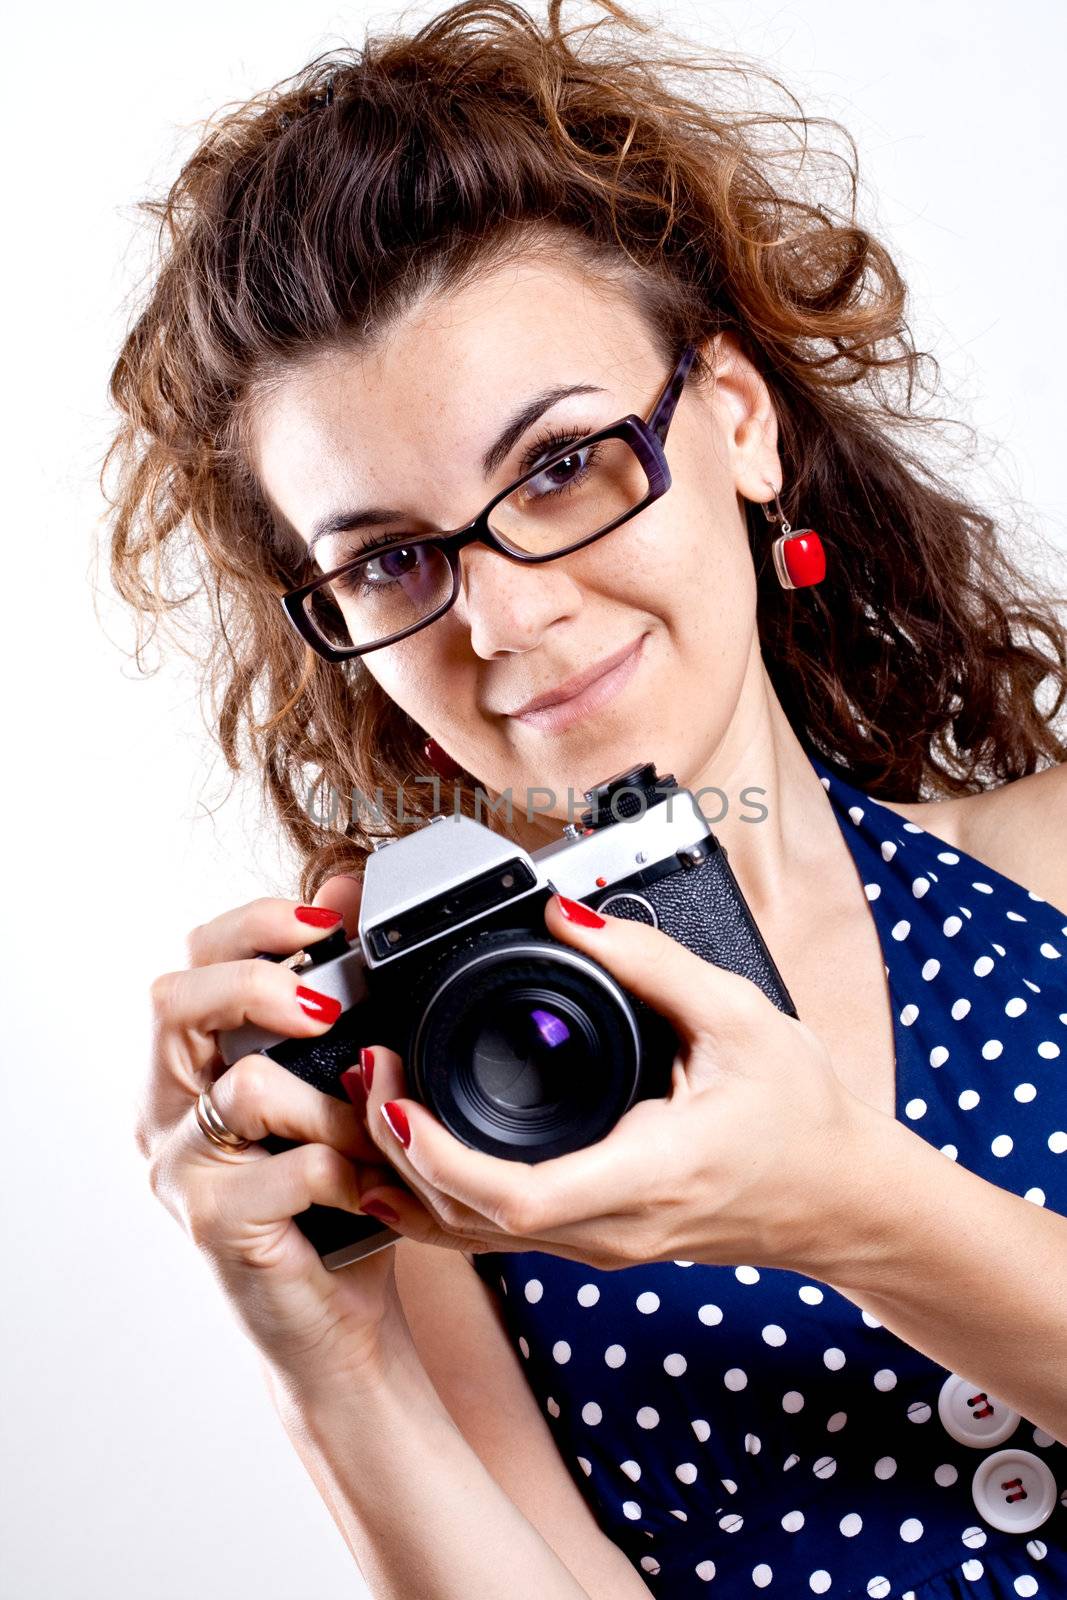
(310, 1324)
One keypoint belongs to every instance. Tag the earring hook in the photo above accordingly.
(778, 515)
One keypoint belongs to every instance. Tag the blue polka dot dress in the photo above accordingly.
(737, 1429)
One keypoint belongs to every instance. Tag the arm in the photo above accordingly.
(971, 1275)
(414, 1501)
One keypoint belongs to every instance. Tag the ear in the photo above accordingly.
(744, 418)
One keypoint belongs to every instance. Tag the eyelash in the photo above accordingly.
(547, 444)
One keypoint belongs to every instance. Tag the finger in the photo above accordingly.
(480, 1195)
(277, 926)
(696, 996)
(342, 893)
(257, 1096)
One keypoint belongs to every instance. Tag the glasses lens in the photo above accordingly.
(387, 592)
(571, 498)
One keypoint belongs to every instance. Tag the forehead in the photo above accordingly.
(413, 412)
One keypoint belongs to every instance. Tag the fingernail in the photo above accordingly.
(575, 911)
(366, 1062)
(352, 1084)
(379, 1209)
(397, 1122)
(318, 916)
(321, 1007)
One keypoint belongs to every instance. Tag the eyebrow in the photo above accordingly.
(498, 452)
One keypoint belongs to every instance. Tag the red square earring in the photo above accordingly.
(799, 558)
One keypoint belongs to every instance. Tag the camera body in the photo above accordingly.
(523, 1047)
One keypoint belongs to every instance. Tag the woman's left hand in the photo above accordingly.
(748, 1158)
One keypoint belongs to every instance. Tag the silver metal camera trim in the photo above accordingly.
(540, 952)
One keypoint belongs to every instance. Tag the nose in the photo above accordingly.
(508, 605)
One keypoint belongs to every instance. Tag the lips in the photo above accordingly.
(574, 686)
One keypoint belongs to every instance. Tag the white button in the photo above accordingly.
(973, 1417)
(1014, 1491)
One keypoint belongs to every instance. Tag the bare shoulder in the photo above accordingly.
(1019, 829)
(462, 1342)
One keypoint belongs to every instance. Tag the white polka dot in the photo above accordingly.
(552, 1407)
(591, 1413)
(753, 1445)
(534, 1290)
(834, 1359)
(674, 1365)
(762, 1575)
(931, 968)
(1037, 1548)
(702, 1429)
(1015, 1007)
(872, 1322)
(819, 1581)
(631, 1509)
(686, 1473)
(735, 1378)
(969, 1099)
(524, 1347)
(1050, 951)
(680, 1515)
(992, 1049)
(951, 925)
(683, 1263)
(1034, 988)
(885, 1468)
(1037, 1196)
(705, 1570)
(1015, 916)
(973, 1538)
(945, 1475)
(912, 827)
(878, 1588)
(793, 1521)
(810, 1295)
(793, 1401)
(732, 1522)
(729, 1485)
(836, 1422)
(614, 1355)
(856, 813)
(790, 1461)
(1042, 1439)
(983, 966)
(1024, 1093)
(908, 1015)
(901, 929)
(631, 1469)
(649, 1564)
(919, 1411)
(960, 1009)
(983, 888)
(585, 1465)
(915, 1109)
(773, 1334)
(851, 1524)
(647, 1302)
(561, 1351)
(885, 1379)
(911, 1529)
(710, 1316)
(972, 1570)
(1026, 1585)
(1057, 1142)
(938, 1055)
(588, 1294)
(824, 1467)
(949, 857)
(919, 887)
(1002, 1145)
(950, 1151)
(647, 1417)
(1047, 1049)
(746, 1274)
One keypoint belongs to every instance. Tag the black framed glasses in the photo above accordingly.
(393, 588)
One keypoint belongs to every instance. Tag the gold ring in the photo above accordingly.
(213, 1125)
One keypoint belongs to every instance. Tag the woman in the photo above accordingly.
(799, 1324)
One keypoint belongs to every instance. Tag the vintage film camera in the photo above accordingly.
(522, 1046)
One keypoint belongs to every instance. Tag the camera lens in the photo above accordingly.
(525, 1048)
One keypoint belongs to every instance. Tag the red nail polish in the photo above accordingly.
(575, 911)
(318, 916)
(379, 1209)
(320, 1007)
(397, 1122)
(352, 1084)
(366, 1065)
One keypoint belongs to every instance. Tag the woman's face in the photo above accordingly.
(407, 426)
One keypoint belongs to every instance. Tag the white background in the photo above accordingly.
(141, 1456)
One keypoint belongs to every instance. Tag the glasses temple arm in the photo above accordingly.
(660, 420)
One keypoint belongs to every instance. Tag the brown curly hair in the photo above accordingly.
(317, 211)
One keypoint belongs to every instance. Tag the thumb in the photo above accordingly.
(696, 996)
(342, 893)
